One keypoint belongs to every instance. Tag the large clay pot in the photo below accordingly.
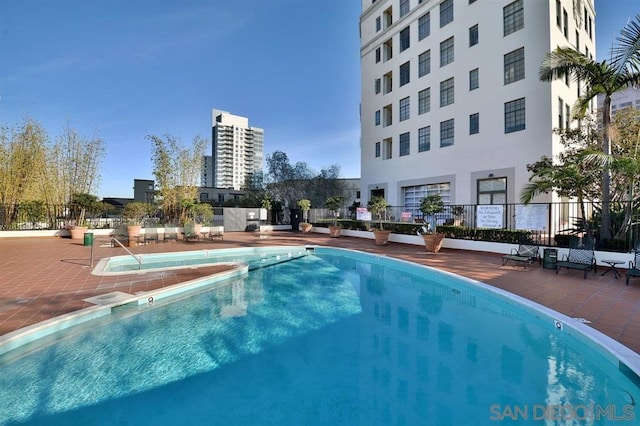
(433, 242)
(133, 232)
(382, 237)
(77, 232)
(305, 227)
(334, 231)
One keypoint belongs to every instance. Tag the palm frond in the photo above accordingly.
(625, 55)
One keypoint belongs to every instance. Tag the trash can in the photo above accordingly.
(550, 258)
(88, 238)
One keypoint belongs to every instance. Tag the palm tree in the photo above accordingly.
(600, 78)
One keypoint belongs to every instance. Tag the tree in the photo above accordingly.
(600, 78)
(177, 169)
(570, 175)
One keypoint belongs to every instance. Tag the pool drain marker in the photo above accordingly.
(150, 301)
(558, 325)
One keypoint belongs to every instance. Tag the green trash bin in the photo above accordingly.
(88, 238)
(550, 258)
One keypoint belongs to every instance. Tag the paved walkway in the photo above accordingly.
(41, 278)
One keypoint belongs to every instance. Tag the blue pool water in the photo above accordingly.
(334, 337)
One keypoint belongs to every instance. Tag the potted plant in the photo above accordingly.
(429, 206)
(305, 206)
(333, 204)
(134, 213)
(80, 204)
(378, 206)
(202, 215)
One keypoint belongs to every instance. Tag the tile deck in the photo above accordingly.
(42, 277)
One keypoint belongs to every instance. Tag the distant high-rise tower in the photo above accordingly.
(238, 150)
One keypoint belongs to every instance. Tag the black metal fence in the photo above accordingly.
(549, 224)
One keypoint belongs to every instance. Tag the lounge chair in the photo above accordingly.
(525, 254)
(582, 258)
(190, 232)
(170, 233)
(634, 265)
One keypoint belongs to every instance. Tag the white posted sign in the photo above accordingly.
(490, 216)
(532, 217)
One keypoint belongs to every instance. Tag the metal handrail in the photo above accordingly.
(137, 258)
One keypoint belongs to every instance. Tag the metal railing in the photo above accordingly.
(137, 258)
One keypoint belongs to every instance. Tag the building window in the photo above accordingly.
(558, 14)
(446, 133)
(387, 115)
(413, 195)
(446, 52)
(404, 7)
(560, 111)
(388, 49)
(567, 116)
(378, 85)
(474, 79)
(404, 109)
(378, 55)
(388, 149)
(388, 82)
(446, 92)
(513, 17)
(424, 63)
(404, 39)
(377, 119)
(514, 66)
(474, 123)
(378, 24)
(424, 139)
(565, 28)
(446, 12)
(424, 26)
(404, 73)
(377, 149)
(388, 17)
(492, 191)
(514, 116)
(473, 35)
(404, 144)
(424, 101)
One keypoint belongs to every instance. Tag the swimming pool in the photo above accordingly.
(333, 337)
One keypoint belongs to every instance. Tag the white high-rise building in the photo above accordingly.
(452, 102)
(238, 150)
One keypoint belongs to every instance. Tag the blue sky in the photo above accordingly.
(129, 68)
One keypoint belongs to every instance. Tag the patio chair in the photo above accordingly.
(190, 232)
(634, 265)
(170, 233)
(216, 232)
(120, 233)
(526, 253)
(151, 234)
(582, 258)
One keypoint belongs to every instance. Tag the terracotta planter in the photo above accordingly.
(77, 233)
(433, 242)
(133, 232)
(382, 237)
(305, 227)
(334, 231)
